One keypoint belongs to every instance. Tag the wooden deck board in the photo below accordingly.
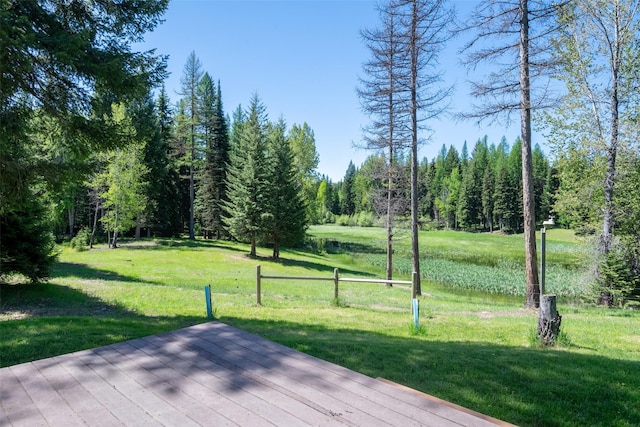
(210, 374)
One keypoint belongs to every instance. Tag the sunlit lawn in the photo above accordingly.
(475, 349)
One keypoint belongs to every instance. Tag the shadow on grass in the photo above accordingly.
(314, 266)
(83, 271)
(525, 386)
(38, 321)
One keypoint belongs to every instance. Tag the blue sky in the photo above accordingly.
(303, 58)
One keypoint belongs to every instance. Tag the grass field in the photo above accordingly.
(474, 348)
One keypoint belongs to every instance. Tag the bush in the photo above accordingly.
(81, 240)
(617, 280)
(365, 219)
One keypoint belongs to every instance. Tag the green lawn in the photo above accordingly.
(474, 348)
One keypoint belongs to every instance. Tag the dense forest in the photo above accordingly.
(91, 153)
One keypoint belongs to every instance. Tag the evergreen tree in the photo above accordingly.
(205, 195)
(488, 193)
(347, 191)
(212, 190)
(440, 174)
(540, 190)
(189, 82)
(514, 191)
(27, 242)
(306, 159)
(285, 219)
(247, 177)
(470, 203)
(53, 57)
(164, 199)
(501, 204)
(181, 157)
(221, 149)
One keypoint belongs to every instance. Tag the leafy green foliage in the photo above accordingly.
(125, 196)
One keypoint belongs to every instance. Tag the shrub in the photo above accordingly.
(365, 219)
(81, 240)
(617, 280)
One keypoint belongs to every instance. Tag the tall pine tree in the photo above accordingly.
(285, 219)
(247, 177)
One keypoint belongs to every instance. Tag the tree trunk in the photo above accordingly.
(531, 262)
(114, 243)
(549, 320)
(415, 250)
(606, 239)
(95, 225)
(252, 253)
(390, 200)
(192, 186)
(71, 214)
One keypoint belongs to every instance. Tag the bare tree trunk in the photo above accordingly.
(609, 215)
(390, 225)
(415, 250)
(95, 225)
(114, 243)
(192, 186)
(531, 263)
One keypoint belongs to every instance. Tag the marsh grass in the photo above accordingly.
(481, 262)
(472, 348)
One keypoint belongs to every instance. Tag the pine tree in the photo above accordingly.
(205, 194)
(189, 82)
(285, 217)
(488, 192)
(347, 195)
(247, 177)
(181, 157)
(163, 170)
(212, 191)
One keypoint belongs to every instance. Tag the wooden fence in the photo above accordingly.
(336, 281)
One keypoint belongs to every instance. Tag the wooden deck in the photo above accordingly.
(210, 375)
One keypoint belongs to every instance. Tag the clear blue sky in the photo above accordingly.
(303, 58)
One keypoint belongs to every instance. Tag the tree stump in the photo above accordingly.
(549, 321)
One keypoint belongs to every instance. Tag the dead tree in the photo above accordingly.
(513, 37)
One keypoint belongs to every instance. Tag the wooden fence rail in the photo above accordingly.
(336, 280)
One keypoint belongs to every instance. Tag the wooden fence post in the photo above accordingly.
(336, 280)
(258, 286)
